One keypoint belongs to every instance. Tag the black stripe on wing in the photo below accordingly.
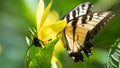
(80, 10)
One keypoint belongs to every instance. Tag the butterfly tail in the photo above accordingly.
(76, 56)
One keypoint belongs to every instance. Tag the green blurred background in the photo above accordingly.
(17, 15)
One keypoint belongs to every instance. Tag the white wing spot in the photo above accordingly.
(70, 14)
(76, 13)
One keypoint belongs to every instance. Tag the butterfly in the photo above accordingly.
(82, 25)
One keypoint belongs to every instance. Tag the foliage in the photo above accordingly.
(38, 57)
(114, 56)
(17, 15)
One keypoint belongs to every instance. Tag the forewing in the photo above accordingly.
(94, 23)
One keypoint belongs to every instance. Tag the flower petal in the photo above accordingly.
(51, 30)
(55, 62)
(51, 17)
(59, 46)
(44, 15)
(39, 13)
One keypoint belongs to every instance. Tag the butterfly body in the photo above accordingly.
(82, 25)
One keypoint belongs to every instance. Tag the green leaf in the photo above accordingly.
(40, 57)
(114, 56)
(29, 60)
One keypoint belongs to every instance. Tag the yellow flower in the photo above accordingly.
(48, 23)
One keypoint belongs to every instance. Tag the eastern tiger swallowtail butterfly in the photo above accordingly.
(82, 25)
